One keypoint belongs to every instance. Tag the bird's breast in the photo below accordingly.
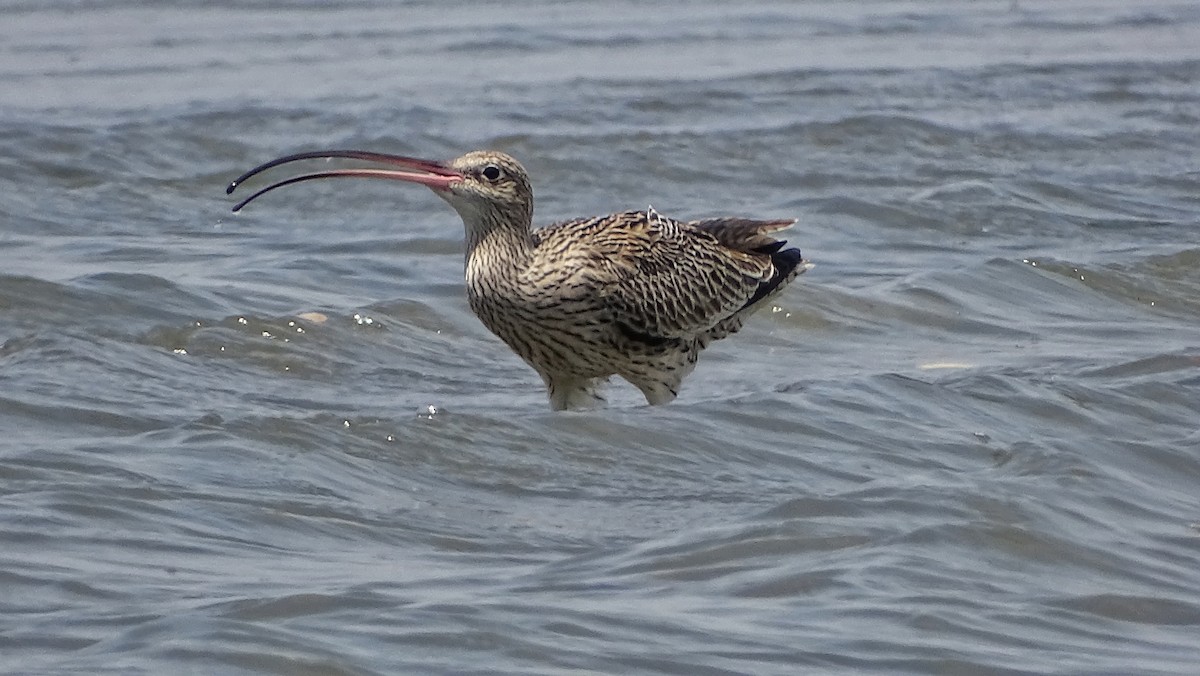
(550, 328)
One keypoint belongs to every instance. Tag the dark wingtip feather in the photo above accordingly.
(771, 248)
(785, 263)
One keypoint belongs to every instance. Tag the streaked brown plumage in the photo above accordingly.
(634, 294)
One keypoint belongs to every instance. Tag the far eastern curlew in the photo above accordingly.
(634, 294)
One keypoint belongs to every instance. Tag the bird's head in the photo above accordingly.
(491, 186)
(487, 188)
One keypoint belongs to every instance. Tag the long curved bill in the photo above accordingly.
(436, 175)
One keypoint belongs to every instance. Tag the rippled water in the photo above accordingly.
(967, 442)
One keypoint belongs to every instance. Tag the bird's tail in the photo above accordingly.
(745, 234)
(754, 237)
(788, 263)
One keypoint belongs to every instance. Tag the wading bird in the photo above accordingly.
(634, 294)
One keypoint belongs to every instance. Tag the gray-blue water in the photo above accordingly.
(968, 441)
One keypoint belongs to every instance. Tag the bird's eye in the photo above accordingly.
(491, 172)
